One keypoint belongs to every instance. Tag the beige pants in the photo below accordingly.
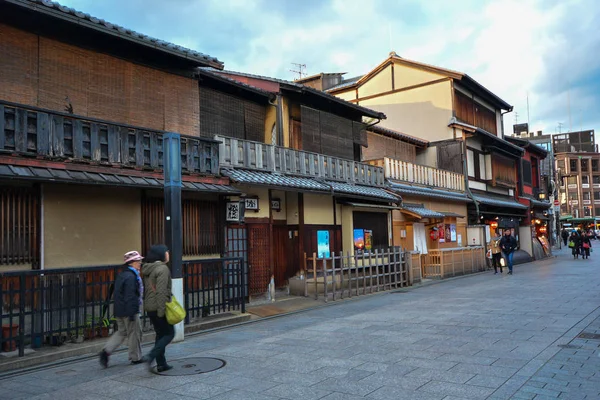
(130, 330)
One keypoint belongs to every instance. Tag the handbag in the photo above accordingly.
(174, 312)
(488, 254)
(571, 244)
(586, 245)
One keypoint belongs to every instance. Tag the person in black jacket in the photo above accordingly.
(586, 245)
(508, 244)
(128, 295)
(574, 244)
(565, 235)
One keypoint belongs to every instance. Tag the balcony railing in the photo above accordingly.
(420, 174)
(237, 153)
(34, 132)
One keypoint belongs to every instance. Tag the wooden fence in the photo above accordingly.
(350, 275)
(444, 263)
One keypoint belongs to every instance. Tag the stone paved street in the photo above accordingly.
(479, 337)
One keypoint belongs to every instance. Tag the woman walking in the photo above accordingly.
(128, 302)
(586, 245)
(574, 243)
(157, 283)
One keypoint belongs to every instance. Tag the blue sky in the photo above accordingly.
(547, 50)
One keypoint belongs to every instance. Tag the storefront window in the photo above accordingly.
(370, 231)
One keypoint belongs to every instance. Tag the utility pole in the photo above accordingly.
(301, 70)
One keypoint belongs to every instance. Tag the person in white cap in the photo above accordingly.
(128, 295)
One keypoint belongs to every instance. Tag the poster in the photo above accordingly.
(453, 232)
(442, 235)
(323, 248)
(447, 234)
(368, 240)
(359, 240)
(459, 239)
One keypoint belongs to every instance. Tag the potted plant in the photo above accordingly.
(77, 335)
(88, 331)
(104, 326)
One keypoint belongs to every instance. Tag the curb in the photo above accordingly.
(51, 358)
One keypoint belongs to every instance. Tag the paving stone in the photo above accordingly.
(487, 381)
(468, 391)
(297, 392)
(399, 393)
(198, 390)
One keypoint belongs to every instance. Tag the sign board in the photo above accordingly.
(233, 211)
(323, 244)
(556, 203)
(252, 204)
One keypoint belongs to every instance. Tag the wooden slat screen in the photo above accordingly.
(382, 146)
(310, 130)
(201, 224)
(19, 226)
(222, 114)
(449, 157)
(474, 113)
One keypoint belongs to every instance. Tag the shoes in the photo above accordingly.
(509, 272)
(495, 273)
(147, 361)
(104, 359)
(140, 361)
(164, 368)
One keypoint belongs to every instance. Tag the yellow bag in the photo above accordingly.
(174, 312)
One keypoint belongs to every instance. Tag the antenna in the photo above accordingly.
(527, 108)
(516, 117)
(560, 124)
(569, 108)
(301, 71)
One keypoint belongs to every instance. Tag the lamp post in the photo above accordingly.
(173, 229)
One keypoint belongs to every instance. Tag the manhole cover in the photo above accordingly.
(586, 335)
(192, 366)
(569, 346)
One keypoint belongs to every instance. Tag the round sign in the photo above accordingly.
(556, 203)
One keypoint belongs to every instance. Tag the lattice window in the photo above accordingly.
(259, 257)
(201, 224)
(19, 226)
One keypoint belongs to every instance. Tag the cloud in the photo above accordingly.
(544, 50)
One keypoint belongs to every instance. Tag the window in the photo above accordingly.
(526, 166)
(471, 163)
(596, 195)
(587, 196)
(585, 165)
(573, 165)
(597, 212)
(19, 226)
(376, 225)
(587, 211)
(596, 180)
(573, 196)
(202, 230)
(572, 180)
(595, 166)
(585, 180)
(482, 174)
(560, 164)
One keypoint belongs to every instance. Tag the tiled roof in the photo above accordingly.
(538, 203)
(365, 111)
(359, 190)
(345, 83)
(423, 191)
(84, 19)
(268, 179)
(210, 72)
(422, 211)
(309, 184)
(96, 178)
(398, 135)
(498, 202)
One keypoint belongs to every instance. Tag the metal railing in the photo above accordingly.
(214, 286)
(50, 307)
(420, 174)
(32, 131)
(237, 153)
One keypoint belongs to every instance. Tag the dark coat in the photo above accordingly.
(127, 294)
(508, 244)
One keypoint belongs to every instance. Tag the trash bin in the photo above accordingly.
(9, 332)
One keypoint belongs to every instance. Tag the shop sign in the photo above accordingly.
(276, 204)
(252, 203)
(233, 211)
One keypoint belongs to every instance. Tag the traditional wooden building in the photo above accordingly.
(83, 107)
(463, 123)
(535, 228)
(306, 189)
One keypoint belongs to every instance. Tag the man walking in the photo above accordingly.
(128, 296)
(565, 235)
(508, 244)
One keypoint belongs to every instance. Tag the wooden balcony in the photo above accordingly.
(422, 175)
(237, 153)
(33, 132)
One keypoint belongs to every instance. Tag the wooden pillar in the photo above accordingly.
(301, 226)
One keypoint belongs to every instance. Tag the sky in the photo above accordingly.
(541, 56)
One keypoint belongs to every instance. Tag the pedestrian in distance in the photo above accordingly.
(565, 236)
(574, 244)
(157, 284)
(508, 245)
(586, 246)
(496, 251)
(128, 294)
